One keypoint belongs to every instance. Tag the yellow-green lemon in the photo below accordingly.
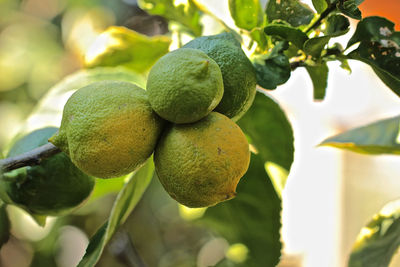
(238, 73)
(200, 164)
(108, 128)
(184, 86)
(55, 187)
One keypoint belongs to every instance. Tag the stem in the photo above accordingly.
(295, 64)
(30, 158)
(323, 15)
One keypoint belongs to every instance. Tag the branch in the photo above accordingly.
(30, 158)
(323, 15)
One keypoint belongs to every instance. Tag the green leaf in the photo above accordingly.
(380, 137)
(119, 46)
(380, 48)
(252, 217)
(336, 25)
(292, 11)
(269, 130)
(350, 8)
(314, 46)
(258, 35)
(320, 5)
(319, 77)
(273, 72)
(379, 240)
(287, 33)
(184, 12)
(247, 14)
(4, 225)
(126, 201)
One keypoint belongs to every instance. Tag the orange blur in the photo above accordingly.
(389, 9)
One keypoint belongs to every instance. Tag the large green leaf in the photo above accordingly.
(269, 130)
(319, 77)
(292, 11)
(380, 137)
(380, 48)
(184, 12)
(320, 5)
(379, 240)
(252, 217)
(119, 46)
(4, 225)
(350, 8)
(247, 14)
(287, 33)
(126, 201)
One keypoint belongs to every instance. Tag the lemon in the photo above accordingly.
(108, 128)
(239, 76)
(200, 164)
(55, 187)
(184, 86)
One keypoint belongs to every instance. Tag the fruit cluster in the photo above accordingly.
(185, 116)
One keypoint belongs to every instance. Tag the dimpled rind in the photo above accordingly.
(108, 128)
(55, 187)
(239, 76)
(200, 164)
(184, 86)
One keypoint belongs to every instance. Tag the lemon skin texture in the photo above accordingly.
(55, 187)
(108, 128)
(239, 76)
(184, 86)
(200, 164)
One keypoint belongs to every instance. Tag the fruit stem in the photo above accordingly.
(30, 158)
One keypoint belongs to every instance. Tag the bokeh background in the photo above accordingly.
(329, 196)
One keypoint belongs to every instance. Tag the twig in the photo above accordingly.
(30, 158)
(323, 15)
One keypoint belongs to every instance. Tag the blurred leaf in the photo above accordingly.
(292, 11)
(336, 25)
(247, 14)
(314, 46)
(287, 33)
(126, 201)
(119, 46)
(380, 48)
(379, 240)
(350, 8)
(39, 219)
(184, 12)
(258, 35)
(4, 225)
(319, 77)
(252, 217)
(269, 130)
(380, 137)
(107, 186)
(320, 5)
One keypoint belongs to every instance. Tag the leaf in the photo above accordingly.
(258, 35)
(287, 33)
(314, 46)
(379, 240)
(380, 137)
(252, 217)
(183, 12)
(247, 14)
(126, 201)
(269, 130)
(380, 48)
(336, 25)
(319, 77)
(350, 8)
(4, 225)
(292, 11)
(119, 46)
(320, 5)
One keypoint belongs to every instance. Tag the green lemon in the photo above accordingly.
(108, 128)
(55, 187)
(238, 73)
(200, 164)
(184, 86)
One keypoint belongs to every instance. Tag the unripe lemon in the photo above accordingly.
(55, 187)
(200, 164)
(108, 128)
(184, 86)
(239, 76)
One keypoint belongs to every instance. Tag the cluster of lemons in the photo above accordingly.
(186, 117)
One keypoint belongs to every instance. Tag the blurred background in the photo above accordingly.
(329, 196)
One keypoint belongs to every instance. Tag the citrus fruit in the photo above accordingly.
(108, 128)
(200, 164)
(55, 187)
(238, 73)
(184, 86)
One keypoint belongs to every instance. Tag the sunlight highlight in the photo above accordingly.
(100, 45)
(237, 253)
(190, 214)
